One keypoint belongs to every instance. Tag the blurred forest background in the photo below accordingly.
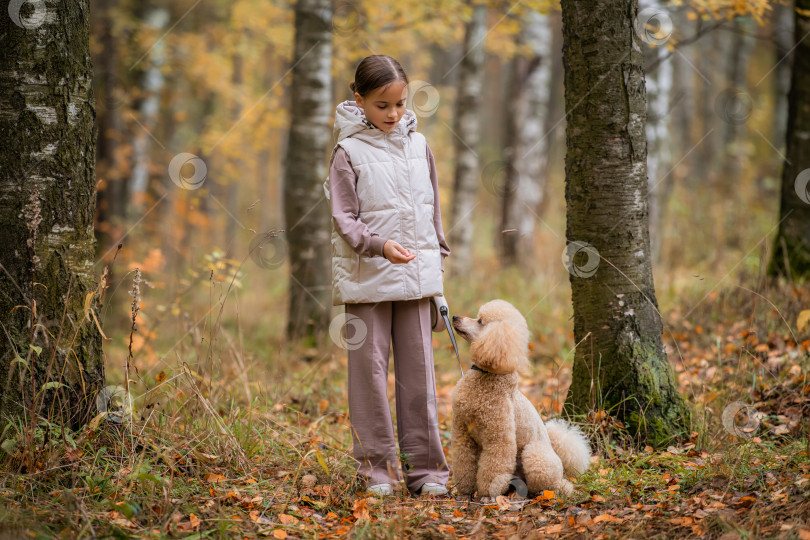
(214, 80)
(213, 261)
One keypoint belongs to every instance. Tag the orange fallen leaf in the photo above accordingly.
(279, 533)
(360, 509)
(214, 477)
(287, 519)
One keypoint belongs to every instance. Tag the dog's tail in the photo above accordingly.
(571, 445)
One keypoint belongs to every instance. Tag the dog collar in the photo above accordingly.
(476, 368)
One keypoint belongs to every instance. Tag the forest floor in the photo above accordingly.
(197, 462)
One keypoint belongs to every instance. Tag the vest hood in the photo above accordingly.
(351, 119)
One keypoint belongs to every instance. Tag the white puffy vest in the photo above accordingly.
(396, 202)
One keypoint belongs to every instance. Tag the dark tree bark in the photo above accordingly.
(791, 254)
(620, 364)
(467, 129)
(110, 198)
(47, 206)
(307, 214)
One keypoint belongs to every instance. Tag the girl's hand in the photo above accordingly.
(397, 254)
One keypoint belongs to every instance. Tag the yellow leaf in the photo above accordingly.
(803, 320)
(279, 533)
(321, 461)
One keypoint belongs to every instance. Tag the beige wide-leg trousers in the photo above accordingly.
(406, 324)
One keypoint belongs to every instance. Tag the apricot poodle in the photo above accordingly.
(497, 434)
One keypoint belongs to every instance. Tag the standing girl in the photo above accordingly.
(388, 251)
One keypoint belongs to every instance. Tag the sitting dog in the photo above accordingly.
(496, 430)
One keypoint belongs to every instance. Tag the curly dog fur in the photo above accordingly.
(496, 430)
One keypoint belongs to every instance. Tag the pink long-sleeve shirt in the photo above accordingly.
(346, 208)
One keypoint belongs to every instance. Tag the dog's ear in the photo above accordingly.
(502, 347)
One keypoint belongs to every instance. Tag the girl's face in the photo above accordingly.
(384, 109)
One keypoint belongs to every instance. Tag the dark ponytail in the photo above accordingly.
(376, 71)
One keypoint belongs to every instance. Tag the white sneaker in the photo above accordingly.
(380, 489)
(432, 488)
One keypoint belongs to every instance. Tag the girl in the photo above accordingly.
(388, 251)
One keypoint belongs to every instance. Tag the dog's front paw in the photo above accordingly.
(565, 487)
(497, 486)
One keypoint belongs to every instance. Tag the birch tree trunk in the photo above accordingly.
(156, 18)
(620, 364)
(659, 89)
(47, 206)
(306, 210)
(527, 142)
(791, 254)
(467, 129)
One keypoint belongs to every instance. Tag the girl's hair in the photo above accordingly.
(376, 71)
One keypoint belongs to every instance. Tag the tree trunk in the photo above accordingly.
(527, 143)
(738, 104)
(308, 225)
(47, 206)
(110, 195)
(467, 128)
(659, 88)
(791, 254)
(782, 32)
(156, 18)
(620, 364)
(233, 188)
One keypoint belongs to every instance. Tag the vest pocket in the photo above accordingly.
(379, 279)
